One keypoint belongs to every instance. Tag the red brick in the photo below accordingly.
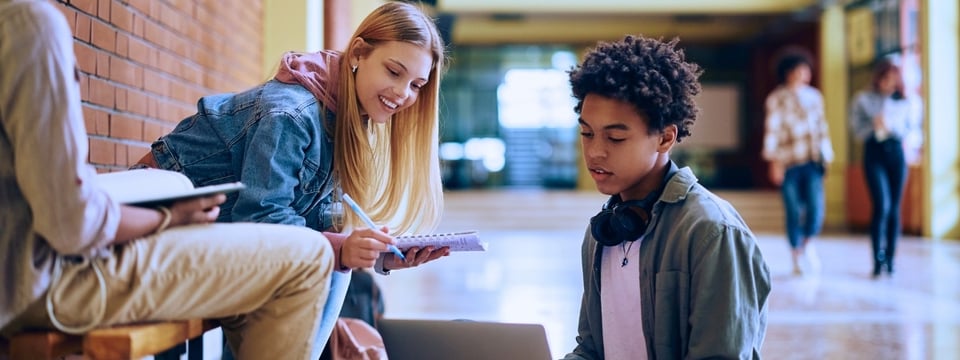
(102, 120)
(82, 28)
(191, 30)
(89, 120)
(185, 6)
(103, 9)
(103, 36)
(134, 153)
(103, 64)
(87, 6)
(125, 72)
(153, 109)
(123, 44)
(169, 17)
(120, 98)
(84, 87)
(168, 111)
(86, 57)
(126, 127)
(191, 73)
(154, 33)
(141, 6)
(178, 45)
(141, 52)
(102, 152)
(121, 16)
(168, 62)
(123, 152)
(155, 83)
(101, 93)
(137, 102)
(153, 131)
(138, 24)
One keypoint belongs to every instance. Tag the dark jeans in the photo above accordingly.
(803, 201)
(885, 171)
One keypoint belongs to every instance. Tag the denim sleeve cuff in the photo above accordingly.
(378, 266)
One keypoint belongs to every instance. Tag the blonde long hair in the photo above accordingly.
(392, 170)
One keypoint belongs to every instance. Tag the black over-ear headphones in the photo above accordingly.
(621, 221)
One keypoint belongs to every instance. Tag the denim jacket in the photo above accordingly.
(703, 281)
(271, 138)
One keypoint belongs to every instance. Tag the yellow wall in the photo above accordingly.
(833, 80)
(295, 25)
(942, 154)
(359, 10)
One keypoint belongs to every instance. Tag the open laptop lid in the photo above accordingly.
(463, 340)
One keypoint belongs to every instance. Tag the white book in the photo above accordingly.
(153, 187)
(457, 241)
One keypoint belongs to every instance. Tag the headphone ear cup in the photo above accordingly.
(613, 226)
(602, 229)
(629, 225)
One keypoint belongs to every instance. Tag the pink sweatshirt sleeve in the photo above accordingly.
(336, 241)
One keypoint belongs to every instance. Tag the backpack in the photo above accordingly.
(355, 336)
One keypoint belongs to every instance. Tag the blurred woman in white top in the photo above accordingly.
(882, 117)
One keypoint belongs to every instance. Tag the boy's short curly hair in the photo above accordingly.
(650, 74)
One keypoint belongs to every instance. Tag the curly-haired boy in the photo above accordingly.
(665, 260)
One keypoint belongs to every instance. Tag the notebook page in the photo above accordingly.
(457, 241)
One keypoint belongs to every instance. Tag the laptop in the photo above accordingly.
(406, 339)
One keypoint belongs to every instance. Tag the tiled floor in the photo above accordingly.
(531, 274)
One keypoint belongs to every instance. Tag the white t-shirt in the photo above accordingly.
(620, 302)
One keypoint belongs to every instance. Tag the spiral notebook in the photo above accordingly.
(457, 241)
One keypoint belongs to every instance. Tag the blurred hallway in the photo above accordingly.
(531, 274)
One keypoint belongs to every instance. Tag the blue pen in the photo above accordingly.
(363, 216)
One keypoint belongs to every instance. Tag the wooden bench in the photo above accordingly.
(118, 342)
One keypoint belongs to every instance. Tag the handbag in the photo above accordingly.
(354, 339)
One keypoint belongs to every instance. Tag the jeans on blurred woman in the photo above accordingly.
(804, 204)
(885, 170)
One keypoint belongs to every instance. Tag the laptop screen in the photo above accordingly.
(463, 340)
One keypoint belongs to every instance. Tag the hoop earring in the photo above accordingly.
(354, 69)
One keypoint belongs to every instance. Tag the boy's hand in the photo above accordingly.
(363, 246)
(415, 257)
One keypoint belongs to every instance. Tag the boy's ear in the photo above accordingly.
(668, 137)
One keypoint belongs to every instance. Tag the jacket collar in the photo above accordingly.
(679, 185)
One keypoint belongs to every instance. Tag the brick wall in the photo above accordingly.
(145, 63)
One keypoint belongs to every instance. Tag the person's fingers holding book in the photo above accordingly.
(199, 210)
(415, 257)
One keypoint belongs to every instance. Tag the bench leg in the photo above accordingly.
(195, 349)
(172, 354)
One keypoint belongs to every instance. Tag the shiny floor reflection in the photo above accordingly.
(531, 274)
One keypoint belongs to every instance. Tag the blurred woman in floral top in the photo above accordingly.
(797, 145)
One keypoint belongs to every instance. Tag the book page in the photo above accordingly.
(154, 187)
(457, 241)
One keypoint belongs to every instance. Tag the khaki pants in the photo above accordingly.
(266, 283)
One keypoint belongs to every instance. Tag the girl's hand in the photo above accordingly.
(879, 123)
(776, 173)
(415, 257)
(200, 210)
(363, 246)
